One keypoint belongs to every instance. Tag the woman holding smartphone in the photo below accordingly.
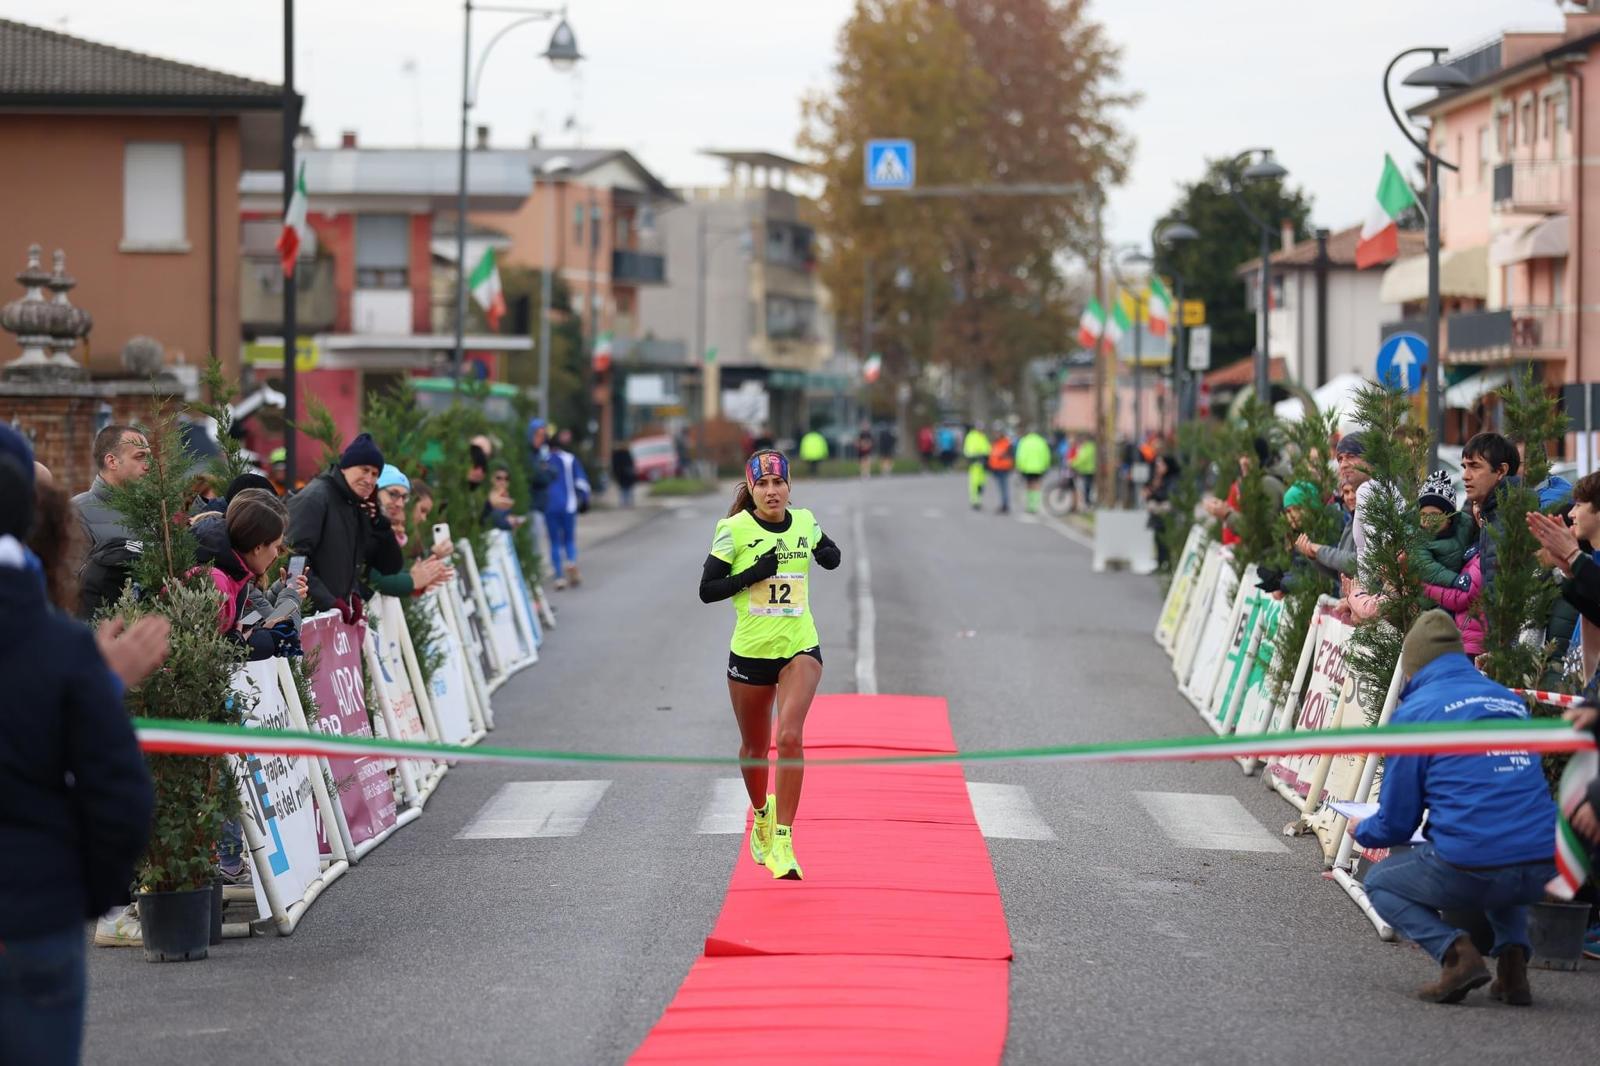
(236, 550)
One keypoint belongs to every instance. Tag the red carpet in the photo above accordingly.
(894, 948)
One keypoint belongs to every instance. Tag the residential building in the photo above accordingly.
(1515, 209)
(747, 302)
(130, 163)
(369, 284)
(1326, 315)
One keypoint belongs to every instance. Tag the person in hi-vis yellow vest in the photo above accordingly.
(976, 451)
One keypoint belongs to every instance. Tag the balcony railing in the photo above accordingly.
(1535, 186)
(1514, 332)
(261, 293)
(638, 268)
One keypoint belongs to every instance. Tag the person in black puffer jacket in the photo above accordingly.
(335, 522)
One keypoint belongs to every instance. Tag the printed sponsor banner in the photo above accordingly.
(1356, 701)
(1255, 709)
(477, 635)
(521, 602)
(1183, 579)
(1235, 663)
(502, 623)
(276, 793)
(1214, 636)
(1319, 706)
(448, 685)
(365, 792)
(382, 629)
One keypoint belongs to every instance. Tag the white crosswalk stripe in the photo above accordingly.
(536, 809)
(725, 811)
(1007, 812)
(1215, 823)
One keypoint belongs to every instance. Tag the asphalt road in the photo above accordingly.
(1132, 944)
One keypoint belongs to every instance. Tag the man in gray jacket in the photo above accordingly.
(121, 455)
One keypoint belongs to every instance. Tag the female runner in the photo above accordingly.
(761, 557)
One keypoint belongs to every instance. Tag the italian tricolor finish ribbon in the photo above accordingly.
(1572, 858)
(1539, 735)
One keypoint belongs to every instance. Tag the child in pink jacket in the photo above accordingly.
(1461, 600)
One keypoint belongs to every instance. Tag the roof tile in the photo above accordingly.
(40, 62)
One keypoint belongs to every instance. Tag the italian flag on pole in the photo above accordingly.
(1118, 325)
(294, 224)
(485, 285)
(1160, 311)
(1091, 324)
(1380, 233)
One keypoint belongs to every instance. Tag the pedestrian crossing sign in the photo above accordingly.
(891, 164)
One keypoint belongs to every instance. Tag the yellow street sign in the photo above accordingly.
(269, 355)
(1194, 312)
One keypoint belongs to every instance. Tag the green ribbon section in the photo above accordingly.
(1409, 737)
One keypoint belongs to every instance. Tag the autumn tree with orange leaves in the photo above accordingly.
(993, 92)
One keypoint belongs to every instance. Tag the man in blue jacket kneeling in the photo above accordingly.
(1491, 825)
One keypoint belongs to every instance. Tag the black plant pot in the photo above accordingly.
(217, 906)
(176, 925)
(1556, 932)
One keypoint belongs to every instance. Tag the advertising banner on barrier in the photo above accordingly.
(1254, 713)
(502, 622)
(478, 635)
(1214, 634)
(391, 660)
(1319, 706)
(448, 685)
(275, 791)
(1212, 564)
(1183, 578)
(365, 793)
(522, 605)
(1236, 665)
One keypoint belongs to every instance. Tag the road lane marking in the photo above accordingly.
(725, 811)
(1083, 540)
(535, 809)
(1216, 823)
(866, 614)
(1007, 812)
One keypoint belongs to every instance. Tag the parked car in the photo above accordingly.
(655, 458)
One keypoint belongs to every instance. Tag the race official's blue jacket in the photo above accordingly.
(569, 484)
(1483, 810)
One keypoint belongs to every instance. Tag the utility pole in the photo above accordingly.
(1105, 366)
(291, 327)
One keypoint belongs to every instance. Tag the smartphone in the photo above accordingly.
(441, 534)
(297, 566)
(250, 620)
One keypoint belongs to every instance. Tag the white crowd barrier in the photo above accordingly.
(1222, 634)
(308, 821)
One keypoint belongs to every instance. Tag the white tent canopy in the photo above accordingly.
(1338, 392)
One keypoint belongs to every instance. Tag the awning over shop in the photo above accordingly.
(1465, 394)
(1545, 239)
(1462, 272)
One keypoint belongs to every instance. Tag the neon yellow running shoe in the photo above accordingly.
(761, 831)
(780, 856)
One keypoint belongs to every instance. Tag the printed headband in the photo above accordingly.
(766, 463)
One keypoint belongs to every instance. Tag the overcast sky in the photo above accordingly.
(665, 79)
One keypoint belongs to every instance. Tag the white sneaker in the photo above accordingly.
(119, 928)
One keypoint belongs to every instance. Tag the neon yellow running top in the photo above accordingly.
(772, 618)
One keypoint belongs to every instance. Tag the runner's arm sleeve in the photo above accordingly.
(718, 582)
(826, 553)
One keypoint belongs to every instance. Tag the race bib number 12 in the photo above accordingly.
(779, 596)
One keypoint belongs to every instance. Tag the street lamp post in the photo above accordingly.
(551, 167)
(562, 52)
(1176, 232)
(1438, 76)
(1266, 169)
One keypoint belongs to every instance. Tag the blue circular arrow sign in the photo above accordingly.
(1401, 361)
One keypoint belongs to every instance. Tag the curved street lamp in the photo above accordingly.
(1177, 232)
(1443, 78)
(1264, 169)
(563, 54)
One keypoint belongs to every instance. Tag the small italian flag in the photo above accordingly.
(1091, 324)
(295, 229)
(872, 368)
(1380, 233)
(1160, 308)
(1572, 855)
(1119, 324)
(485, 285)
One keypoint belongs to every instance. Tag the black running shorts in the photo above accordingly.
(763, 671)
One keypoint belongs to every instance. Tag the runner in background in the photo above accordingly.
(1002, 460)
(1082, 460)
(925, 448)
(1033, 462)
(761, 559)
(864, 449)
(813, 450)
(975, 449)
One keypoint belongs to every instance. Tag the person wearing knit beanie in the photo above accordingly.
(362, 452)
(1433, 634)
(1438, 492)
